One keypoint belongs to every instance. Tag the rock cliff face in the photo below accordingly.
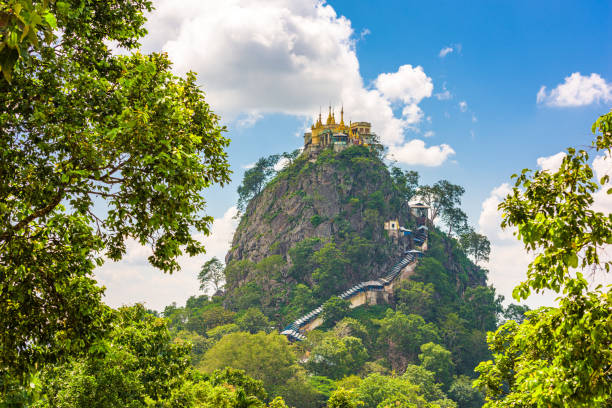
(340, 198)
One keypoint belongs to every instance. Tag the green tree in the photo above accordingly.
(352, 327)
(329, 274)
(253, 321)
(402, 335)
(475, 244)
(198, 344)
(302, 259)
(462, 392)
(238, 378)
(425, 379)
(334, 309)
(291, 156)
(558, 356)
(405, 183)
(277, 402)
(226, 388)
(138, 362)
(335, 357)
(441, 197)
(78, 126)
(26, 26)
(212, 272)
(201, 320)
(255, 179)
(456, 221)
(342, 398)
(415, 298)
(437, 359)
(516, 312)
(265, 357)
(375, 388)
(481, 307)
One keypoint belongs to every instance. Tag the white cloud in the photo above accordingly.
(248, 166)
(445, 51)
(364, 33)
(255, 57)
(474, 118)
(429, 133)
(412, 114)
(258, 56)
(551, 163)
(450, 49)
(416, 153)
(463, 106)
(281, 164)
(249, 119)
(408, 84)
(443, 96)
(577, 90)
(133, 280)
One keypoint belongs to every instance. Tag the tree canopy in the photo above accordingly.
(212, 273)
(442, 198)
(558, 356)
(96, 148)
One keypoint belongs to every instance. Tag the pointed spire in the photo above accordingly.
(329, 116)
(342, 115)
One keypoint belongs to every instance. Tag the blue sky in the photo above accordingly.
(454, 88)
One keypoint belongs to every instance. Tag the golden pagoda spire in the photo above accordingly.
(342, 115)
(329, 117)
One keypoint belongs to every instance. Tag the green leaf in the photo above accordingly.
(573, 261)
(50, 19)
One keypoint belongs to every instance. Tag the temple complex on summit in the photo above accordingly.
(337, 135)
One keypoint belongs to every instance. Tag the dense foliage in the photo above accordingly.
(558, 356)
(95, 148)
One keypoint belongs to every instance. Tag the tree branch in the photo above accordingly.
(36, 214)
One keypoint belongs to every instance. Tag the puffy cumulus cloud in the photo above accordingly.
(133, 280)
(412, 114)
(445, 51)
(415, 152)
(509, 259)
(258, 56)
(255, 57)
(408, 84)
(551, 163)
(577, 90)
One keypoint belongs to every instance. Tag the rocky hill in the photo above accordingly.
(317, 228)
(320, 215)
